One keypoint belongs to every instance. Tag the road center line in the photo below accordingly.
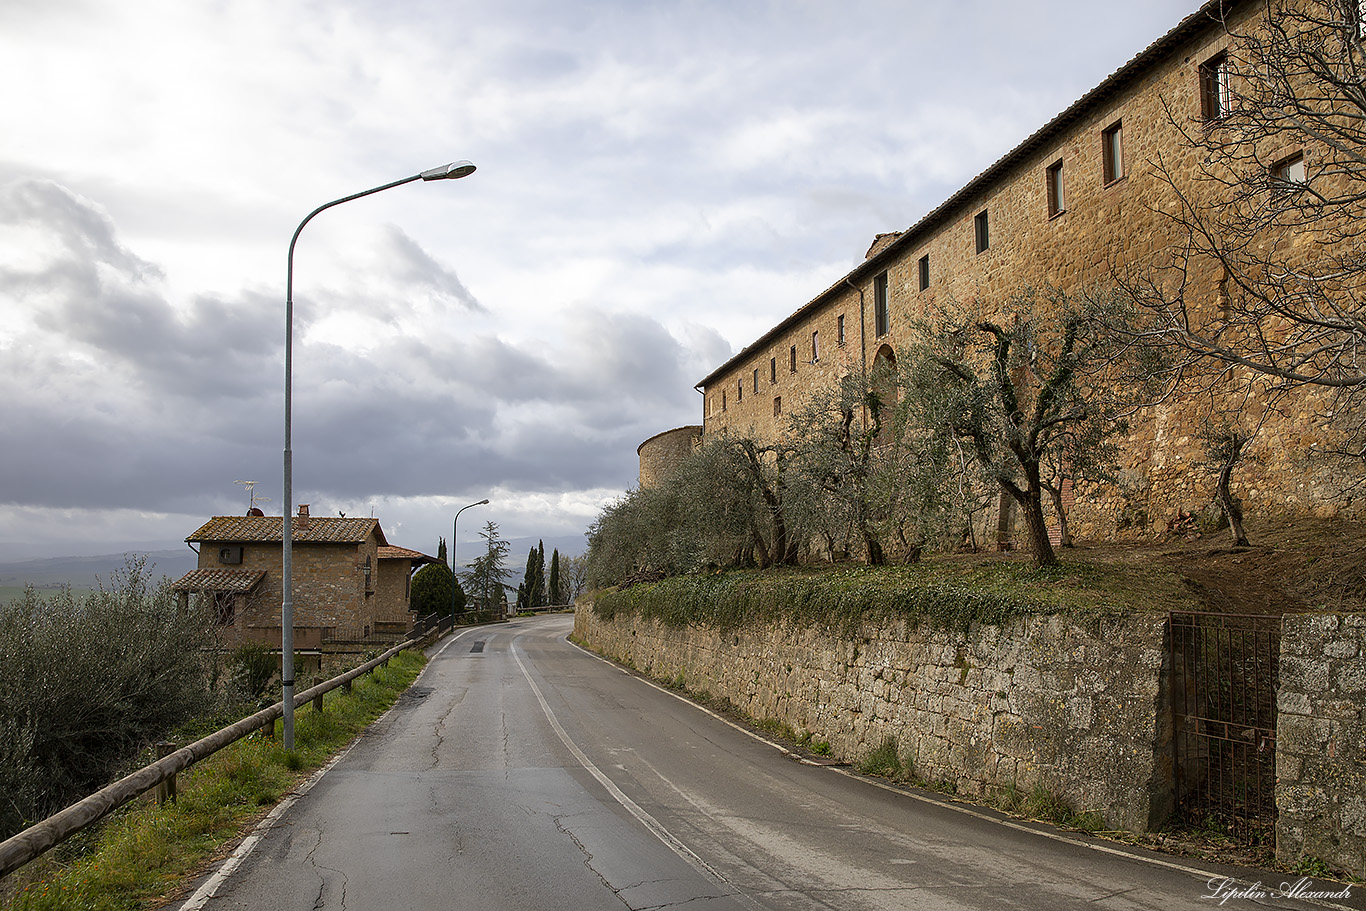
(645, 819)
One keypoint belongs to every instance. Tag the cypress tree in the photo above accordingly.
(556, 597)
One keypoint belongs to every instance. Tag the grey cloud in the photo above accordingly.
(416, 267)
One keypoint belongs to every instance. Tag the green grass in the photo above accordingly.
(145, 850)
(946, 592)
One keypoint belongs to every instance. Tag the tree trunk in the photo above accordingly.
(1039, 544)
(1232, 511)
(1064, 534)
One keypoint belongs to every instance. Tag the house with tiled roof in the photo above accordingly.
(350, 583)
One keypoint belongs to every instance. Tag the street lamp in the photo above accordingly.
(450, 171)
(484, 502)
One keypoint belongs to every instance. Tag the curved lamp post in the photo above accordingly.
(445, 172)
(483, 502)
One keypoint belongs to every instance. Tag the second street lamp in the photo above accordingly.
(445, 172)
(454, 564)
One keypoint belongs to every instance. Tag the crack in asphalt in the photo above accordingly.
(320, 902)
(588, 858)
(439, 730)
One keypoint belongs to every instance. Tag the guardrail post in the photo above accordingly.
(269, 728)
(166, 790)
(318, 701)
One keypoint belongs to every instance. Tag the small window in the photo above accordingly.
(369, 578)
(1112, 151)
(793, 353)
(740, 392)
(1215, 99)
(1053, 178)
(981, 231)
(756, 380)
(723, 400)
(1289, 172)
(772, 370)
(925, 272)
(839, 330)
(815, 346)
(881, 320)
(777, 405)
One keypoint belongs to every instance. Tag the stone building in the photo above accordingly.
(661, 453)
(1061, 209)
(349, 582)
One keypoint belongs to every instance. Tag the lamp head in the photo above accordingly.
(450, 171)
(482, 503)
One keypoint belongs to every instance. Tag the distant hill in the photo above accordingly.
(83, 572)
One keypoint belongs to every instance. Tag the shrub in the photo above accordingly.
(253, 668)
(86, 682)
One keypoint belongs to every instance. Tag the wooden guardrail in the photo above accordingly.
(39, 837)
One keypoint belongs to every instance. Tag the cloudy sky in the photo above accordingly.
(658, 183)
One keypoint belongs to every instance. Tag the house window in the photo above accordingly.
(1112, 151)
(880, 317)
(925, 272)
(1053, 178)
(839, 330)
(369, 577)
(815, 346)
(1215, 99)
(777, 406)
(723, 400)
(980, 230)
(1288, 173)
(793, 353)
(740, 392)
(756, 380)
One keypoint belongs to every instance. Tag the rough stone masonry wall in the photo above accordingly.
(1321, 741)
(1075, 706)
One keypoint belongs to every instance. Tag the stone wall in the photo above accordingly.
(1321, 741)
(1077, 707)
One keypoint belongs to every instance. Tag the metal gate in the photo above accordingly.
(1225, 672)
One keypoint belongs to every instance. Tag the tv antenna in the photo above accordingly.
(252, 498)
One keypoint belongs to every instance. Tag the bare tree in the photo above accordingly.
(1267, 276)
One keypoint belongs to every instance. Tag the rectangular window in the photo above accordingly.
(925, 272)
(740, 392)
(773, 370)
(793, 367)
(756, 380)
(1053, 178)
(777, 405)
(1112, 151)
(839, 330)
(881, 319)
(1289, 172)
(723, 400)
(815, 346)
(1215, 100)
(980, 229)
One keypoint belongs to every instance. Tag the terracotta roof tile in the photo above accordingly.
(219, 580)
(390, 552)
(320, 530)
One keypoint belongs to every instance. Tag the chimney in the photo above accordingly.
(303, 516)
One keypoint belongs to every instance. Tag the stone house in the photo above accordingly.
(1061, 209)
(349, 582)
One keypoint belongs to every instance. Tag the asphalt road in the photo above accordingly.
(522, 773)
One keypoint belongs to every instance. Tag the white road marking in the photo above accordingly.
(643, 817)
